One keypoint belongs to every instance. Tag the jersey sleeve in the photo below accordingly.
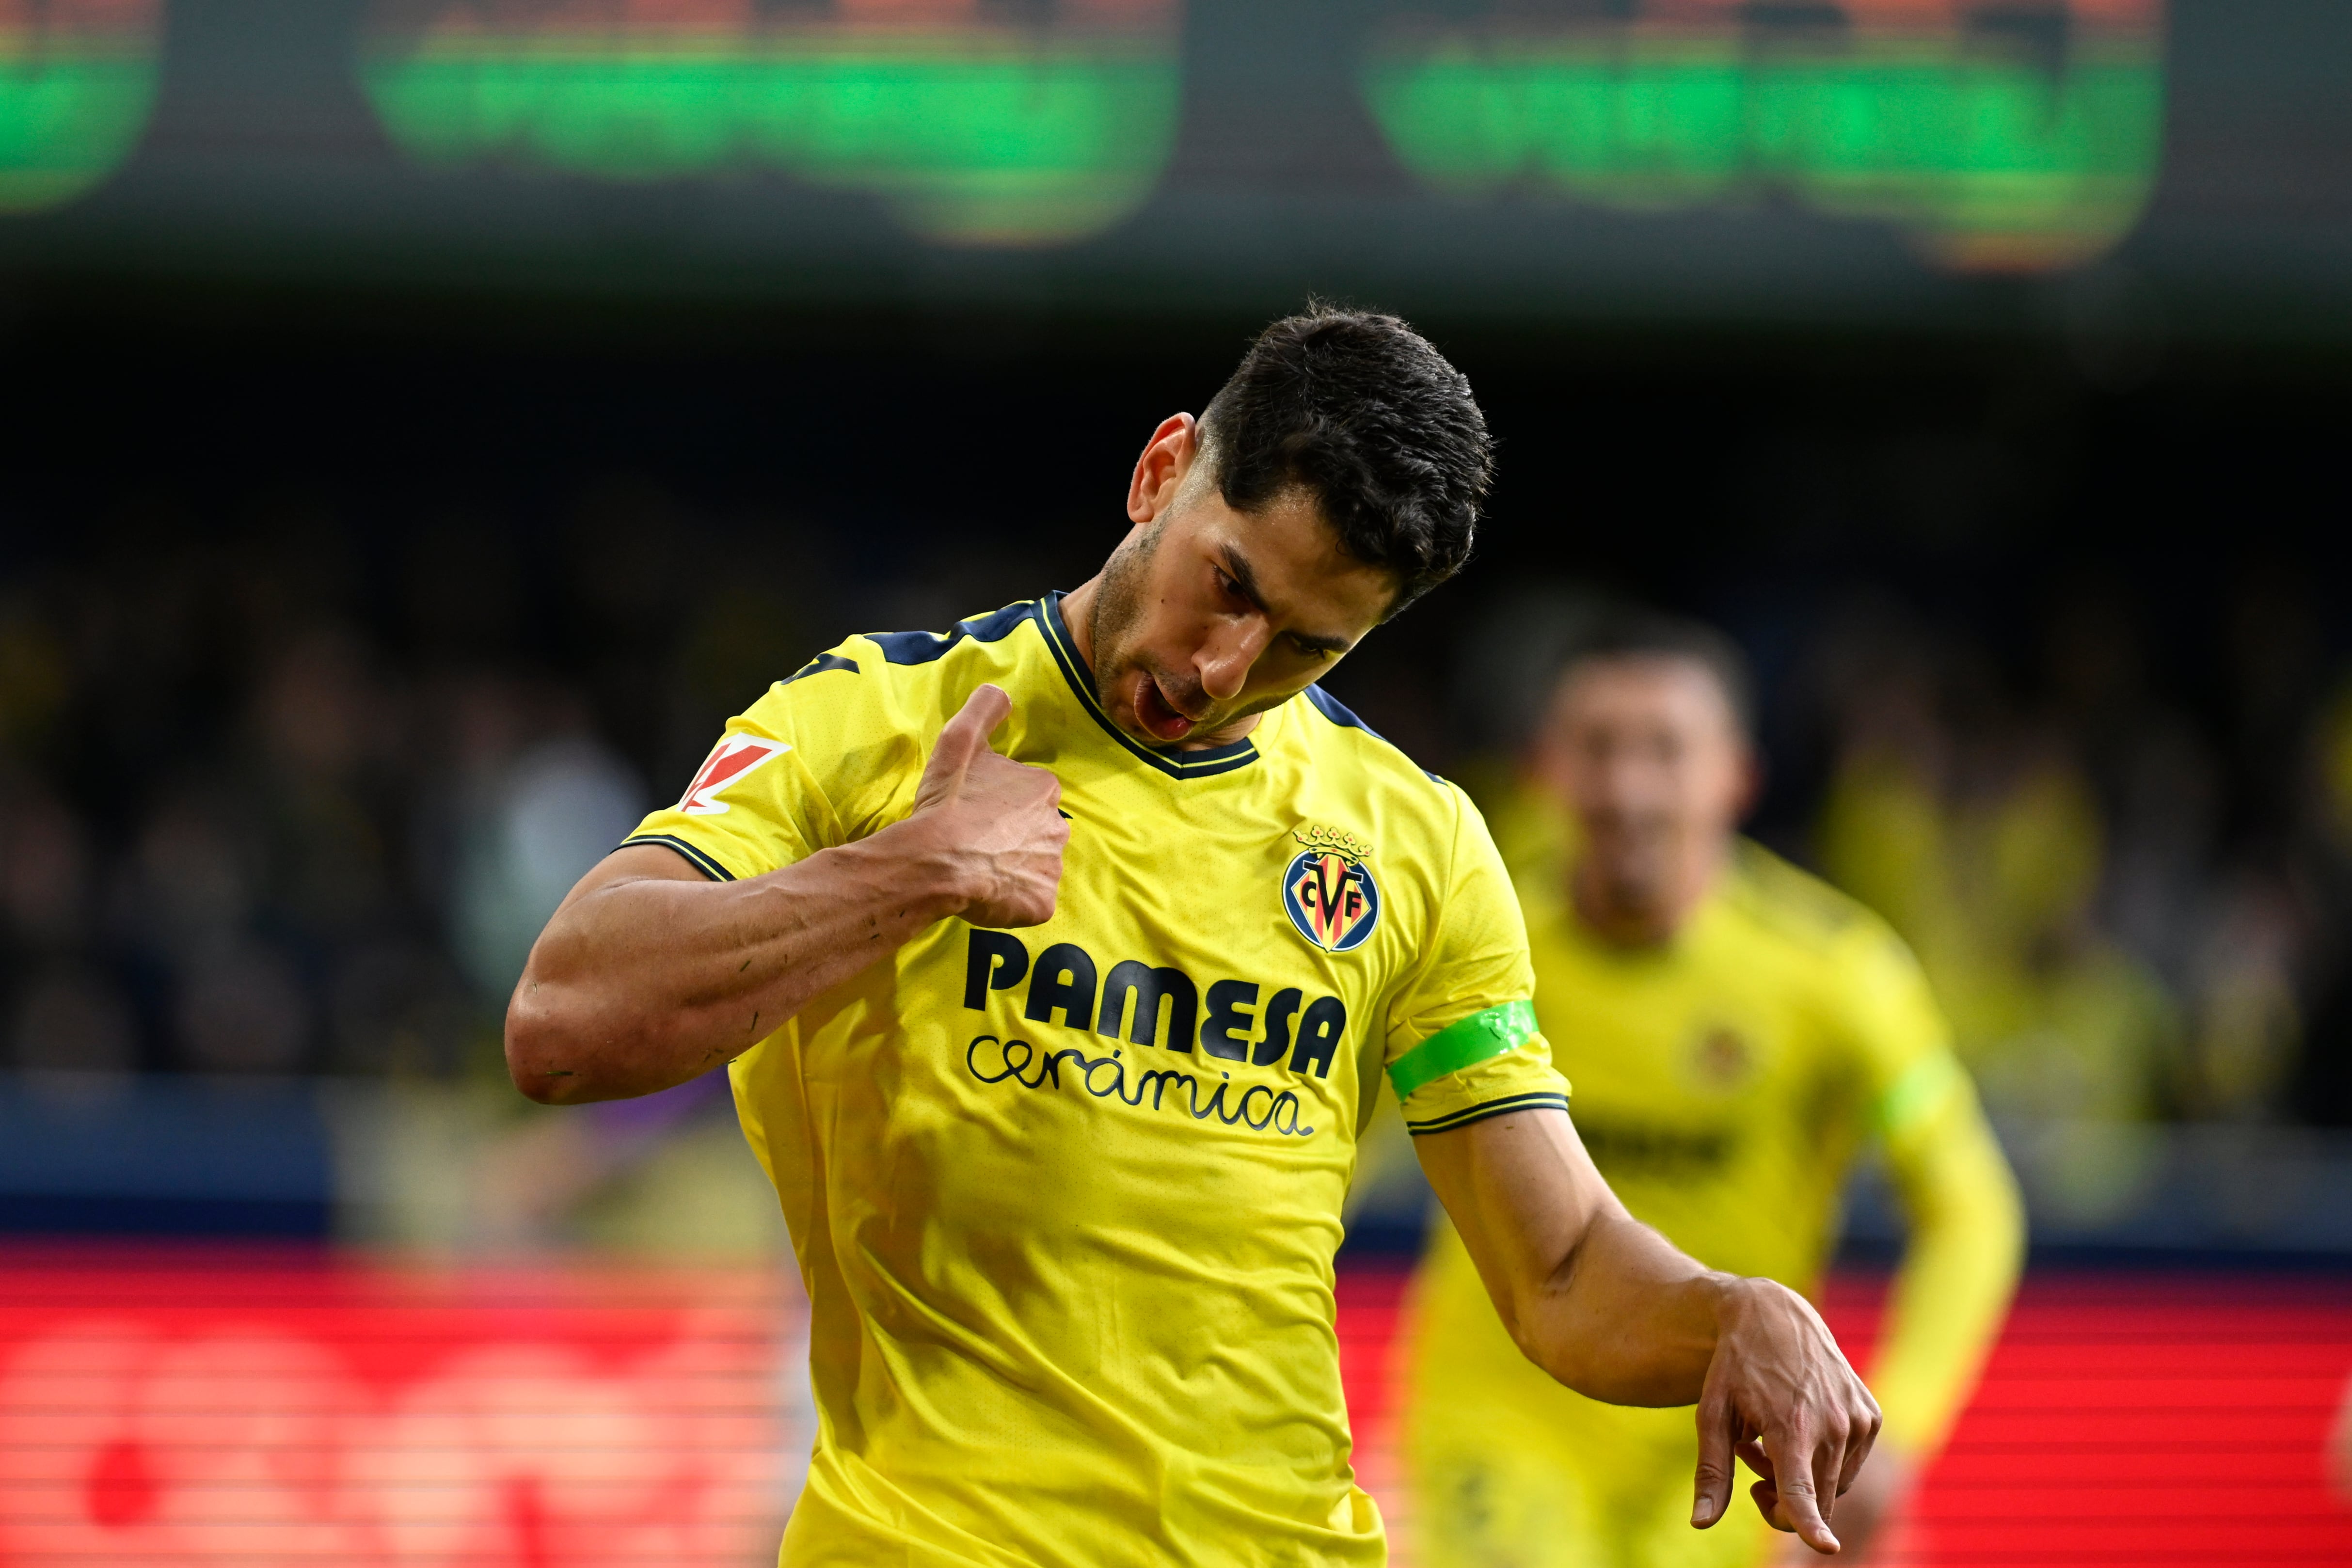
(1886, 1017)
(1966, 1224)
(1463, 1042)
(820, 760)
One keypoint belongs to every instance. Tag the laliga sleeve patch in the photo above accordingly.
(1329, 892)
(731, 761)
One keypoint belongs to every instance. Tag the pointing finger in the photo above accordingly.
(965, 735)
(1713, 1490)
(1860, 1441)
(1829, 1455)
(1794, 1482)
(987, 708)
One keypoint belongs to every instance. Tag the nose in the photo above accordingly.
(1224, 662)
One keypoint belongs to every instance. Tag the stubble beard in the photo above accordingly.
(1117, 607)
(1118, 611)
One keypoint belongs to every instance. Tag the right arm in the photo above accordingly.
(649, 974)
(1609, 1307)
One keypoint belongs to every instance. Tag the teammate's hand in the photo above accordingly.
(994, 819)
(1780, 1395)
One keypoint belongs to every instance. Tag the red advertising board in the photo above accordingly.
(2145, 1420)
(198, 1407)
(247, 1408)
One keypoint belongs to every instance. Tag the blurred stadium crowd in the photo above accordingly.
(2131, 910)
(297, 802)
(2120, 844)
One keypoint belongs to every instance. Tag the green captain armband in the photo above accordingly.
(1478, 1038)
(1922, 1090)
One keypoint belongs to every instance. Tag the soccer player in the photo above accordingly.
(1737, 1031)
(1056, 1047)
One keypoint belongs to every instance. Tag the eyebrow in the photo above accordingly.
(1237, 566)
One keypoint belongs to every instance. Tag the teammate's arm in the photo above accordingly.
(649, 974)
(1965, 1221)
(1960, 1262)
(1612, 1309)
(1966, 1225)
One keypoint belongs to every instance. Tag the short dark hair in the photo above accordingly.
(1632, 632)
(1364, 415)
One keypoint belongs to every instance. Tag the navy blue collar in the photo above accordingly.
(1175, 764)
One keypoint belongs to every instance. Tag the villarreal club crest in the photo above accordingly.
(1329, 890)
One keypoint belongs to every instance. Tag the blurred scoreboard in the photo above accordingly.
(1848, 160)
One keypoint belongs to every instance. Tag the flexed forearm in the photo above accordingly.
(1626, 1319)
(1599, 1300)
(649, 974)
(1613, 1310)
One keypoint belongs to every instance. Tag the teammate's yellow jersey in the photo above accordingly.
(1725, 1081)
(1065, 1199)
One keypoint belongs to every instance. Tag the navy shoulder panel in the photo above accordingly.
(819, 666)
(1338, 713)
(922, 647)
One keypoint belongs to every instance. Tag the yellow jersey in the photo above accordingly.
(1065, 1199)
(1726, 1081)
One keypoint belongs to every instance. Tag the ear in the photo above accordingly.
(1167, 458)
(1752, 781)
(1543, 755)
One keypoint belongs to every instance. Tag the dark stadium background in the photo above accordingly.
(362, 521)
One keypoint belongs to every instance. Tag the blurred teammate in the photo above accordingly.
(1057, 1056)
(1736, 1032)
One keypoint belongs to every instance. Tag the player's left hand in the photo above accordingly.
(1866, 1515)
(1780, 1395)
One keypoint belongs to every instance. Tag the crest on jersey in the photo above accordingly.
(729, 762)
(1723, 1057)
(1328, 891)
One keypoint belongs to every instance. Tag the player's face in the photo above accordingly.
(1647, 755)
(1205, 617)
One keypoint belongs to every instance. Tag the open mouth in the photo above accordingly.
(1160, 718)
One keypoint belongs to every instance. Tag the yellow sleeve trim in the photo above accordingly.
(1464, 1043)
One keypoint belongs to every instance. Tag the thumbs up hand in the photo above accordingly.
(992, 819)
